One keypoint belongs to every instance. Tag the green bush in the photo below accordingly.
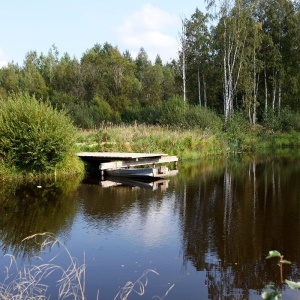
(93, 115)
(289, 120)
(34, 137)
(271, 121)
(236, 129)
(202, 118)
(172, 112)
(175, 113)
(141, 115)
(286, 121)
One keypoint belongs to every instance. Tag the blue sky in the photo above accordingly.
(75, 26)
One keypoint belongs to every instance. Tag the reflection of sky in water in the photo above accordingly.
(156, 228)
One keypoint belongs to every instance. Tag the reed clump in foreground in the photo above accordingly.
(29, 282)
(35, 138)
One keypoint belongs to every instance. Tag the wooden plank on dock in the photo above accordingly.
(115, 156)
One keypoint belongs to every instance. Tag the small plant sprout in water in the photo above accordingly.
(269, 291)
(275, 253)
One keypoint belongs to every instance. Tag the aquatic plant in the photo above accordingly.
(269, 291)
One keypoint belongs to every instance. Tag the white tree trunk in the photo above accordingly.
(266, 89)
(274, 95)
(232, 48)
(279, 97)
(199, 89)
(183, 50)
(204, 91)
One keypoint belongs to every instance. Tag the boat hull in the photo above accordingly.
(140, 172)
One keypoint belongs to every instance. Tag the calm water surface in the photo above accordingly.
(206, 231)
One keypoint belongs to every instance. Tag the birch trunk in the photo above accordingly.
(204, 91)
(232, 60)
(199, 89)
(266, 90)
(183, 50)
(279, 97)
(274, 96)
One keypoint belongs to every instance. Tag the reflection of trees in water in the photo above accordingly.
(240, 216)
(26, 209)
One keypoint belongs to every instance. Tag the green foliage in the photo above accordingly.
(293, 285)
(203, 118)
(93, 115)
(273, 253)
(290, 120)
(286, 121)
(236, 128)
(270, 293)
(146, 115)
(271, 121)
(175, 113)
(33, 136)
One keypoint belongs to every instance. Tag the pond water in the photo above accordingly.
(202, 234)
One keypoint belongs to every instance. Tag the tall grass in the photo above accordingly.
(184, 143)
(237, 136)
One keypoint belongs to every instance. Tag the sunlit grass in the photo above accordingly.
(184, 143)
(150, 139)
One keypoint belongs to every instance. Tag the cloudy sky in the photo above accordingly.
(75, 26)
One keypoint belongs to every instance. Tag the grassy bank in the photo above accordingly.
(186, 144)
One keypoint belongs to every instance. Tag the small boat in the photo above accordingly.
(162, 171)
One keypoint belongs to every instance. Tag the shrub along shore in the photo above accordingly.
(36, 140)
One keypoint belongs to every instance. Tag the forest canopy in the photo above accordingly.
(244, 58)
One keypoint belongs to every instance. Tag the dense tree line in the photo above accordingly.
(244, 58)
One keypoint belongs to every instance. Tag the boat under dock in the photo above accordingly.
(109, 161)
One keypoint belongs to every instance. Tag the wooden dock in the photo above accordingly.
(121, 160)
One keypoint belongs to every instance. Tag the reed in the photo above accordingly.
(29, 283)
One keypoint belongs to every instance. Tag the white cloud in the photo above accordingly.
(150, 28)
(3, 62)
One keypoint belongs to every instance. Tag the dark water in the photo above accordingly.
(206, 231)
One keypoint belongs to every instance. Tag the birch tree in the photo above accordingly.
(183, 55)
(231, 33)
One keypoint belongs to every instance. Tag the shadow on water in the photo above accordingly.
(29, 208)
